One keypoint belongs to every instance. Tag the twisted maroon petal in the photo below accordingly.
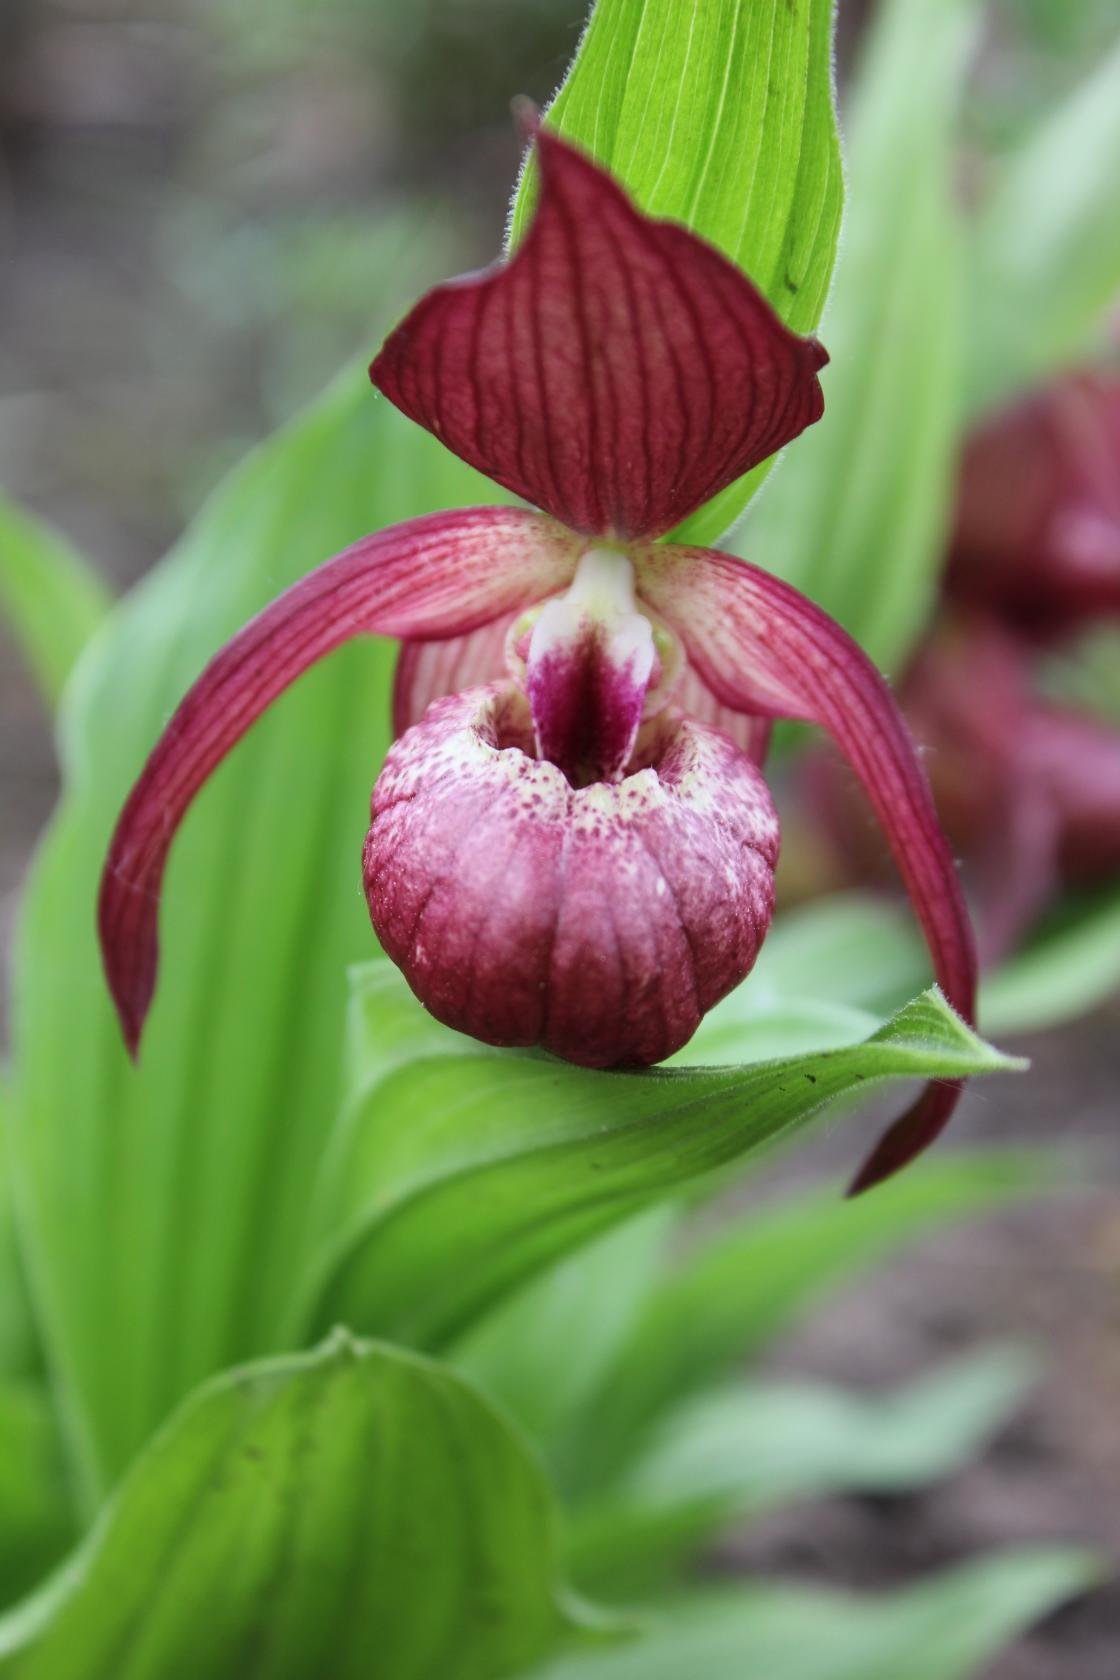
(600, 922)
(761, 646)
(439, 575)
(428, 671)
(616, 371)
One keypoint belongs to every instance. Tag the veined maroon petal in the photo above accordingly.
(762, 646)
(616, 371)
(445, 573)
(601, 922)
(428, 671)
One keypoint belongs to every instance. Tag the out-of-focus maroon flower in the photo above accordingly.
(1037, 534)
(1029, 791)
(571, 841)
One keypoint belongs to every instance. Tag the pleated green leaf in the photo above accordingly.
(456, 1175)
(549, 1351)
(1046, 246)
(351, 1512)
(1070, 967)
(948, 1628)
(825, 938)
(165, 1206)
(37, 1520)
(733, 1292)
(856, 515)
(733, 1455)
(19, 1345)
(719, 116)
(51, 599)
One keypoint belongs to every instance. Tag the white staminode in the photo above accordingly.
(600, 597)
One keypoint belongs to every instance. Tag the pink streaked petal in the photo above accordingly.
(439, 575)
(428, 671)
(616, 371)
(762, 646)
(750, 734)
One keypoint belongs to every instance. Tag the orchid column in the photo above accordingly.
(571, 842)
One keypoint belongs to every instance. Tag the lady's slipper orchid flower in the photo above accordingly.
(571, 841)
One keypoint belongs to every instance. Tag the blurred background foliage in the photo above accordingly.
(205, 209)
(193, 198)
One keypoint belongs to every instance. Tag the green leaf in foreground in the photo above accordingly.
(36, 1517)
(748, 1449)
(458, 1175)
(946, 1629)
(353, 1511)
(20, 1355)
(52, 600)
(720, 117)
(855, 518)
(164, 1206)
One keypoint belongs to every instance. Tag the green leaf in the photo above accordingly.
(720, 117)
(298, 1516)
(19, 1350)
(734, 1292)
(1086, 674)
(856, 516)
(549, 1349)
(948, 1628)
(736, 1454)
(1046, 257)
(52, 599)
(456, 1176)
(1068, 968)
(829, 939)
(165, 1207)
(36, 1517)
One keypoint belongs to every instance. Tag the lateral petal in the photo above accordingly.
(616, 371)
(428, 671)
(444, 574)
(751, 734)
(761, 646)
